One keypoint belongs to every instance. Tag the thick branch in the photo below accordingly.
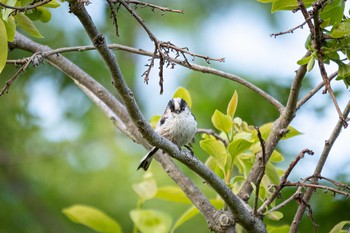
(240, 212)
(118, 114)
(278, 130)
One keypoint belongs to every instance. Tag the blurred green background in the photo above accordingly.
(58, 149)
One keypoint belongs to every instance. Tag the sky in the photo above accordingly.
(250, 50)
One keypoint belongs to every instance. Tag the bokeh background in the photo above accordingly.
(58, 149)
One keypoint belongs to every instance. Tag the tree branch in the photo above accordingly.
(240, 212)
(192, 66)
(278, 130)
(118, 114)
(326, 150)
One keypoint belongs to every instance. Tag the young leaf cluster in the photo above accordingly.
(232, 154)
(20, 13)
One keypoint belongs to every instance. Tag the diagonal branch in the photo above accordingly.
(240, 212)
(325, 153)
(115, 111)
(278, 130)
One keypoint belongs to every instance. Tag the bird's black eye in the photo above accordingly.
(171, 105)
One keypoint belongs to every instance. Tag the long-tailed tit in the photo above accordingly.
(177, 124)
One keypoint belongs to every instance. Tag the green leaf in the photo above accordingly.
(6, 12)
(27, 25)
(211, 163)
(310, 64)
(3, 45)
(344, 73)
(150, 221)
(183, 93)
(332, 13)
(10, 29)
(45, 14)
(304, 60)
(216, 149)
(52, 4)
(339, 227)
(154, 121)
(172, 193)
(276, 157)
(221, 121)
(275, 215)
(92, 218)
(238, 146)
(271, 173)
(146, 189)
(266, 129)
(340, 30)
(278, 229)
(279, 5)
(232, 105)
(193, 211)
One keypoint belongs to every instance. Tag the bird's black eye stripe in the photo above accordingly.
(183, 104)
(171, 105)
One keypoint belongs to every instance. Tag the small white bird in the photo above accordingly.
(177, 124)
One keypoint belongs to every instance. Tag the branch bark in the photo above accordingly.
(325, 153)
(240, 212)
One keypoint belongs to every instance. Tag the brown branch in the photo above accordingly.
(262, 161)
(113, 16)
(192, 66)
(288, 31)
(283, 180)
(317, 186)
(314, 90)
(325, 153)
(212, 133)
(35, 59)
(239, 211)
(278, 130)
(25, 8)
(152, 6)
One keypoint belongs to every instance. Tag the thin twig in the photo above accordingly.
(192, 66)
(152, 6)
(26, 61)
(25, 8)
(283, 180)
(288, 31)
(317, 186)
(325, 153)
(212, 133)
(261, 157)
(113, 16)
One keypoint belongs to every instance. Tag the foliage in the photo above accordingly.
(232, 148)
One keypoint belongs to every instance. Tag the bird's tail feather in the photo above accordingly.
(146, 161)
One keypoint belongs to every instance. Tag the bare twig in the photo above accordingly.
(278, 130)
(262, 158)
(240, 212)
(283, 180)
(113, 16)
(314, 90)
(288, 31)
(317, 186)
(212, 133)
(35, 59)
(325, 153)
(25, 8)
(152, 6)
(192, 66)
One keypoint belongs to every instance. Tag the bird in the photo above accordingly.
(177, 124)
